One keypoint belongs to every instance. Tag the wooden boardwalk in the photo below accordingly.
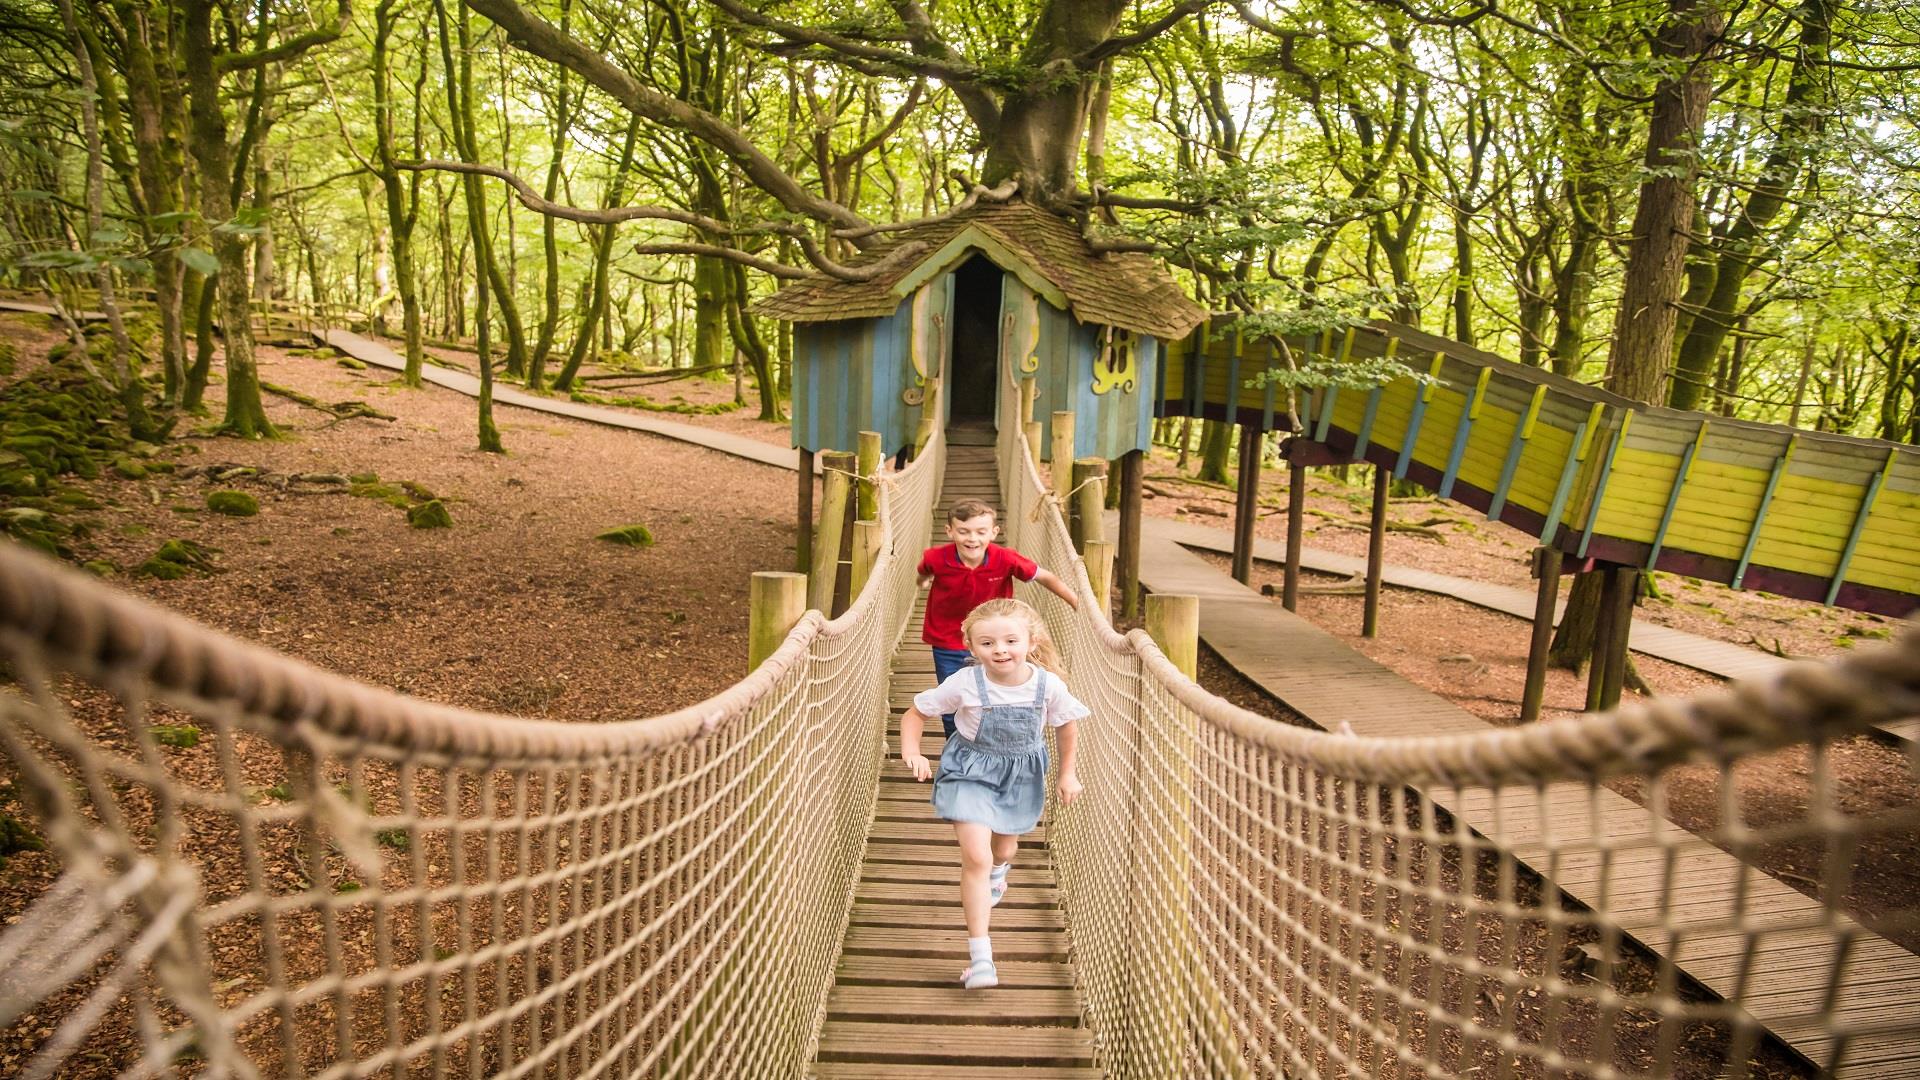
(1325, 681)
(897, 1008)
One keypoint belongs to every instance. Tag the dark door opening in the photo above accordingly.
(976, 340)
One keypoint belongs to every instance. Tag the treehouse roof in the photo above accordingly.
(1046, 251)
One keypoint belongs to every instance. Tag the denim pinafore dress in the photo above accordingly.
(998, 778)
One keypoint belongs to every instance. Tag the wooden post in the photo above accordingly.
(825, 569)
(866, 551)
(1032, 431)
(1132, 465)
(1376, 553)
(1099, 560)
(1062, 454)
(1625, 581)
(1604, 632)
(1089, 502)
(1174, 624)
(1029, 392)
(1296, 513)
(866, 463)
(1547, 562)
(775, 601)
(803, 536)
(1246, 503)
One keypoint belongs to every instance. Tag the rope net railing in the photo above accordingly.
(1247, 897)
(270, 870)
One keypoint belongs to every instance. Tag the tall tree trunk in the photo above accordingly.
(402, 199)
(1643, 328)
(549, 241)
(603, 236)
(1802, 117)
(1037, 131)
(160, 167)
(460, 88)
(246, 414)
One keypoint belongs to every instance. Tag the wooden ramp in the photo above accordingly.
(897, 1008)
(1780, 982)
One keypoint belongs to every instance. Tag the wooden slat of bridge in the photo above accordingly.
(897, 1008)
(1325, 681)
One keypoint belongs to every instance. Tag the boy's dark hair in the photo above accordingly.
(967, 510)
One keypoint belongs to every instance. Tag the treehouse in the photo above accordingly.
(954, 299)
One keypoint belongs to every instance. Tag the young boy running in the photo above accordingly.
(967, 573)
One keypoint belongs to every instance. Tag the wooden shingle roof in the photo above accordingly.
(1128, 290)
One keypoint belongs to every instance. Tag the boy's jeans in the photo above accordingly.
(945, 663)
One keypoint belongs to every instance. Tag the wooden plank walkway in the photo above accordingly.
(372, 352)
(1320, 677)
(897, 1008)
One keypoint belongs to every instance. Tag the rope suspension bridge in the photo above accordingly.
(345, 882)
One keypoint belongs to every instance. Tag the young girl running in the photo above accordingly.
(993, 774)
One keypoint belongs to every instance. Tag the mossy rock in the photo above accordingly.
(100, 567)
(78, 500)
(418, 491)
(351, 364)
(233, 503)
(15, 837)
(365, 478)
(130, 467)
(638, 536)
(177, 559)
(386, 493)
(431, 514)
(178, 736)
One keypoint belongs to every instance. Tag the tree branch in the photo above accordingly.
(1005, 191)
(1119, 43)
(946, 69)
(291, 48)
(538, 37)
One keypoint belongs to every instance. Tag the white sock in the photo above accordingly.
(1000, 870)
(980, 949)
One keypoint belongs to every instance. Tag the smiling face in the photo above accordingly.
(1001, 644)
(972, 535)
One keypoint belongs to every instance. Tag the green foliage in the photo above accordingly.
(16, 837)
(637, 536)
(397, 839)
(714, 408)
(233, 503)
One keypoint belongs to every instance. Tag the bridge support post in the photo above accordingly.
(1547, 562)
(1029, 393)
(1246, 502)
(775, 601)
(1608, 670)
(1099, 560)
(1032, 432)
(1062, 464)
(1089, 502)
(866, 463)
(1173, 621)
(1131, 469)
(838, 466)
(866, 551)
(1376, 552)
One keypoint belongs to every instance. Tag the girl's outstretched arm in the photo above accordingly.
(1068, 736)
(910, 723)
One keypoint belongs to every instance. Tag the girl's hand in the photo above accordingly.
(1069, 788)
(922, 768)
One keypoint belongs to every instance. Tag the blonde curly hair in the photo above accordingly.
(1044, 652)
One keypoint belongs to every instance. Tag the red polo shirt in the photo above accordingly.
(959, 588)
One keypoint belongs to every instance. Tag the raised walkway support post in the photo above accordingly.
(1132, 466)
(1099, 559)
(1246, 502)
(866, 552)
(1547, 561)
(775, 601)
(1296, 513)
(803, 535)
(1376, 552)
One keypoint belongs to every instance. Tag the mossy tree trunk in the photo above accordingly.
(402, 197)
(460, 89)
